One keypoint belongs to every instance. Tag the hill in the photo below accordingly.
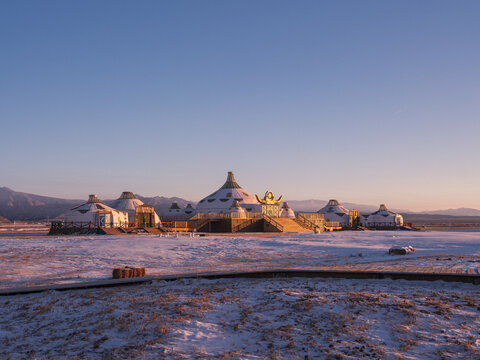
(23, 206)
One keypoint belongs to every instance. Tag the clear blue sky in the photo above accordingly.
(363, 101)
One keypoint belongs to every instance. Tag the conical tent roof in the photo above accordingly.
(384, 217)
(333, 211)
(222, 199)
(189, 210)
(128, 202)
(286, 211)
(174, 209)
(237, 211)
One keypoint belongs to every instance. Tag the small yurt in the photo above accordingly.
(174, 210)
(128, 202)
(236, 211)
(221, 201)
(98, 214)
(286, 211)
(189, 210)
(334, 212)
(384, 218)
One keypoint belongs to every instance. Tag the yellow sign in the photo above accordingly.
(269, 199)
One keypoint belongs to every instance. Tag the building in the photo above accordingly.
(286, 211)
(335, 213)
(129, 203)
(189, 210)
(95, 214)
(222, 200)
(384, 218)
(174, 210)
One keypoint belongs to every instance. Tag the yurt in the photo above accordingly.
(189, 210)
(221, 201)
(128, 202)
(174, 210)
(236, 211)
(286, 211)
(97, 214)
(384, 218)
(334, 212)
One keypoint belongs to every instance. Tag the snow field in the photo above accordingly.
(247, 319)
(43, 259)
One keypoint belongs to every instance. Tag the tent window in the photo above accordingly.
(211, 200)
(223, 200)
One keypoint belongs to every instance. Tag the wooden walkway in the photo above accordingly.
(466, 276)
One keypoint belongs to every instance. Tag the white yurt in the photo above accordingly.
(286, 211)
(335, 212)
(221, 201)
(189, 210)
(236, 211)
(128, 202)
(384, 218)
(174, 210)
(96, 213)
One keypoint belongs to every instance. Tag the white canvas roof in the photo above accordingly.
(222, 199)
(128, 202)
(189, 210)
(174, 209)
(237, 211)
(88, 211)
(384, 217)
(333, 211)
(286, 211)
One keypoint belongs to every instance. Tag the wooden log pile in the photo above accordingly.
(128, 272)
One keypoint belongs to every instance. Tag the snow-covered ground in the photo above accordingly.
(247, 319)
(43, 259)
(242, 318)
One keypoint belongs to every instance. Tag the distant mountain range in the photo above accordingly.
(24, 206)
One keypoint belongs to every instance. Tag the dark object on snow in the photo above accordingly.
(400, 250)
(128, 272)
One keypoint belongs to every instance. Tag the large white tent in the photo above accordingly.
(98, 214)
(128, 202)
(384, 218)
(222, 200)
(334, 212)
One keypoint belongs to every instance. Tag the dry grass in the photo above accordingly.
(272, 319)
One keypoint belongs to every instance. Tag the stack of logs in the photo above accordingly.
(128, 272)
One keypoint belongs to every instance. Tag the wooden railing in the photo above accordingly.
(85, 225)
(242, 226)
(307, 223)
(273, 222)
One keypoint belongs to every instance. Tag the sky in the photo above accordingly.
(363, 101)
